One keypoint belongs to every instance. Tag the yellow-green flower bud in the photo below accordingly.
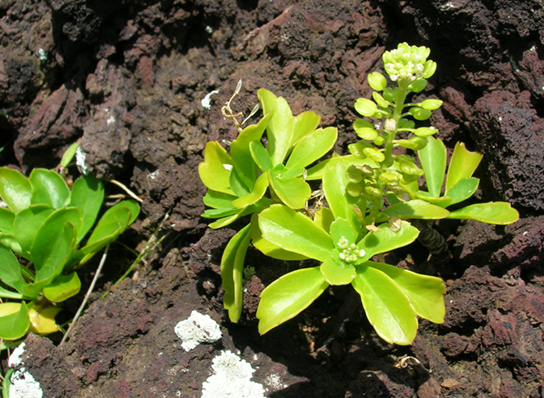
(353, 189)
(418, 85)
(420, 113)
(429, 69)
(354, 174)
(365, 107)
(406, 124)
(364, 129)
(377, 81)
(380, 100)
(374, 191)
(431, 104)
(374, 154)
(379, 140)
(390, 177)
(425, 131)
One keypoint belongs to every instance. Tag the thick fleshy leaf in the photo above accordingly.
(42, 318)
(112, 224)
(10, 270)
(87, 195)
(14, 321)
(5, 293)
(261, 156)
(337, 272)
(62, 287)
(54, 243)
(433, 162)
(312, 147)
(280, 127)
(240, 153)
(342, 229)
(26, 224)
(232, 264)
(500, 213)
(443, 201)
(6, 220)
(295, 232)
(316, 172)
(304, 124)
(463, 163)
(15, 189)
(289, 295)
(385, 239)
(219, 213)
(463, 189)
(218, 200)
(294, 192)
(68, 155)
(418, 209)
(268, 248)
(334, 185)
(255, 195)
(324, 218)
(48, 188)
(426, 293)
(238, 184)
(215, 170)
(387, 308)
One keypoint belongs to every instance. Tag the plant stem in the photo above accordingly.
(91, 288)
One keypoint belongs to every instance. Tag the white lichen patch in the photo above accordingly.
(15, 357)
(206, 101)
(231, 378)
(23, 384)
(81, 158)
(197, 329)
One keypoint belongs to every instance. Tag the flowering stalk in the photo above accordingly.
(384, 172)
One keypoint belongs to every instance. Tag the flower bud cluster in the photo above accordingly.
(349, 252)
(408, 63)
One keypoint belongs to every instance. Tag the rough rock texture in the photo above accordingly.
(127, 80)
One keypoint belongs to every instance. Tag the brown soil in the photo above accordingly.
(127, 78)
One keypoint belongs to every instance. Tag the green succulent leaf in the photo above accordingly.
(220, 213)
(240, 152)
(26, 224)
(337, 272)
(10, 272)
(463, 189)
(62, 288)
(15, 189)
(215, 170)
(14, 320)
(268, 248)
(426, 293)
(433, 162)
(385, 239)
(260, 156)
(289, 295)
(342, 229)
(463, 163)
(255, 195)
(387, 308)
(294, 192)
(500, 213)
(304, 124)
(68, 155)
(87, 195)
(232, 264)
(6, 220)
(324, 218)
(295, 232)
(335, 182)
(48, 188)
(280, 127)
(312, 147)
(443, 201)
(218, 200)
(239, 184)
(418, 209)
(54, 243)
